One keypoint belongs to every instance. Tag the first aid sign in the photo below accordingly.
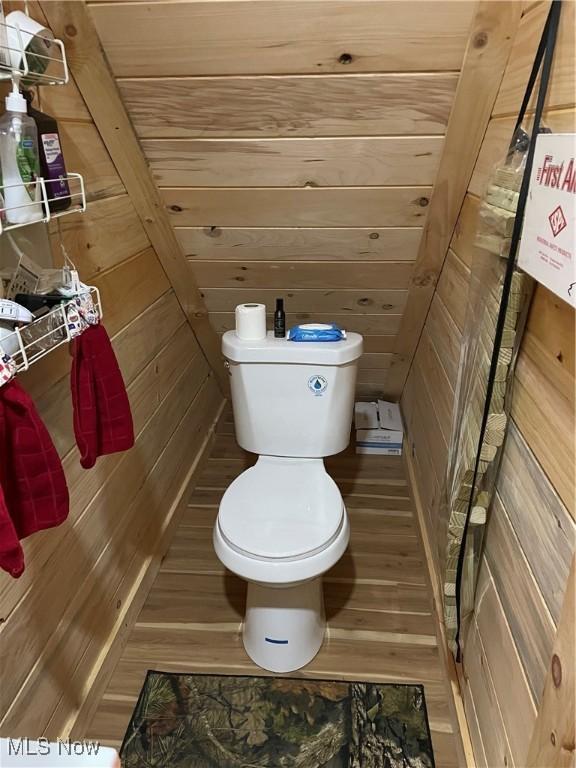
(548, 235)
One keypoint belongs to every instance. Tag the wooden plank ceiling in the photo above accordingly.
(295, 144)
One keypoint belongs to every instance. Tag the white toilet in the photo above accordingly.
(282, 523)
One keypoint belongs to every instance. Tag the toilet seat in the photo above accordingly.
(281, 508)
(282, 520)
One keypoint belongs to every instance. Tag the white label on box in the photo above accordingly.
(381, 451)
(379, 436)
(548, 239)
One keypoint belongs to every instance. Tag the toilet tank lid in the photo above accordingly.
(271, 350)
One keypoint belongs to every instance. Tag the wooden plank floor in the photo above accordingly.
(380, 626)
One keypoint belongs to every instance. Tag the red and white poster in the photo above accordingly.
(548, 235)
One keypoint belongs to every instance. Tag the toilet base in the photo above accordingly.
(284, 626)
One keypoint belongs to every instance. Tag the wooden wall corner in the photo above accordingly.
(489, 45)
(112, 650)
(454, 695)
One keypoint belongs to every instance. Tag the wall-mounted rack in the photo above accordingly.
(30, 343)
(31, 56)
(38, 209)
(38, 59)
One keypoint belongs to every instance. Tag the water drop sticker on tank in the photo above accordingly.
(317, 385)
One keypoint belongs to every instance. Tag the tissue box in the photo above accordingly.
(383, 442)
(379, 428)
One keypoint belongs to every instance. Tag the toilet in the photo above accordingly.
(282, 523)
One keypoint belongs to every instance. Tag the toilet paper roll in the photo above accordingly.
(251, 322)
(28, 37)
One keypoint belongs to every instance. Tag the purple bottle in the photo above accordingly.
(52, 165)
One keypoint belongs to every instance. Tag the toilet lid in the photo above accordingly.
(281, 508)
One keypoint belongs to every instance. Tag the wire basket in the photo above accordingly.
(30, 343)
(37, 208)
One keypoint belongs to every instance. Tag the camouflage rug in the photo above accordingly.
(219, 721)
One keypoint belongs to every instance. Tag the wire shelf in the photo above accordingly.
(13, 216)
(30, 343)
(37, 59)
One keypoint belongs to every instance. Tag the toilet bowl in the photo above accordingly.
(281, 525)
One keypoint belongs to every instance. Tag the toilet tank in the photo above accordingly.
(292, 398)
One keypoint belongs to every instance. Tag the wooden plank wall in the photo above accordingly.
(531, 532)
(62, 618)
(295, 143)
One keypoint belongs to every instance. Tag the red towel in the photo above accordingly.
(102, 416)
(11, 555)
(31, 475)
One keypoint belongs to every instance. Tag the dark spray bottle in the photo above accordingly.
(279, 320)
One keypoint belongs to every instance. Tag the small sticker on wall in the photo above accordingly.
(317, 384)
